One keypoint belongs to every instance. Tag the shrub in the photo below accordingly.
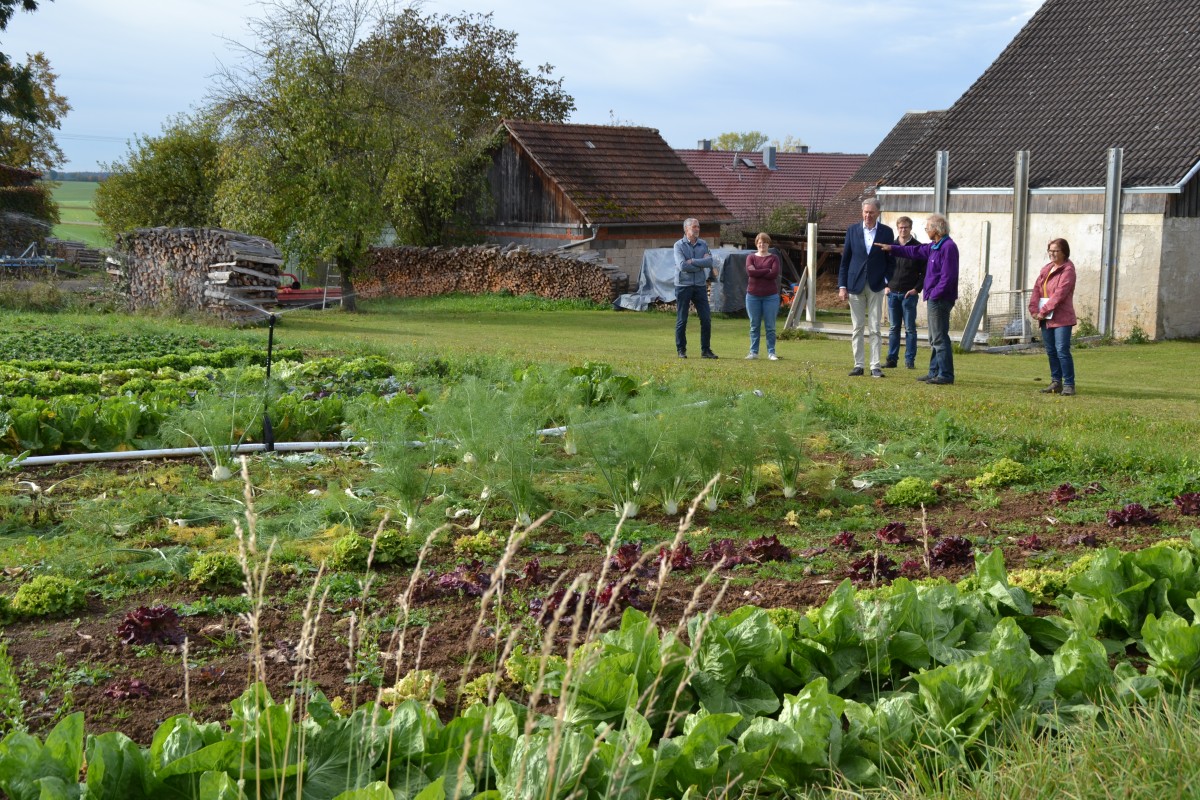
(49, 595)
(1001, 473)
(911, 492)
(214, 570)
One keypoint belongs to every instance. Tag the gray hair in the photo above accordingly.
(689, 222)
(939, 224)
(872, 201)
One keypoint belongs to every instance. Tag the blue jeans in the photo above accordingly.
(941, 361)
(1058, 350)
(762, 309)
(902, 308)
(698, 296)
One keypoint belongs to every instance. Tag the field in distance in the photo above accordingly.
(79, 222)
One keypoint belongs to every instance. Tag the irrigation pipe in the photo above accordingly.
(184, 452)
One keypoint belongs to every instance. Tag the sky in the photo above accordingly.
(835, 75)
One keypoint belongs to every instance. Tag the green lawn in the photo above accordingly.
(79, 221)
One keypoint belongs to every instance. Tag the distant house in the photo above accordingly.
(751, 184)
(611, 189)
(1081, 77)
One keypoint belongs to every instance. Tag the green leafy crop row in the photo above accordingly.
(753, 702)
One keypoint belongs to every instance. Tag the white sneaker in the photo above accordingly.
(752, 356)
(772, 356)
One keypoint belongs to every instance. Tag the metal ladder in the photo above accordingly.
(332, 278)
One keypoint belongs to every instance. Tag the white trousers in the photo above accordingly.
(866, 310)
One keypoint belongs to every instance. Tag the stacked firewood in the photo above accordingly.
(18, 231)
(229, 274)
(430, 271)
(75, 254)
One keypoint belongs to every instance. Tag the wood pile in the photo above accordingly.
(75, 254)
(229, 274)
(18, 231)
(431, 271)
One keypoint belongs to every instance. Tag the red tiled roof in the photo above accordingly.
(1082, 76)
(747, 188)
(616, 174)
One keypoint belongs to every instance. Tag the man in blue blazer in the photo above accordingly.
(862, 277)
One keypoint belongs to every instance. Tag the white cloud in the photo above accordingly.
(691, 68)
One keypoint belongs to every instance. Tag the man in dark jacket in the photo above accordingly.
(863, 275)
(902, 294)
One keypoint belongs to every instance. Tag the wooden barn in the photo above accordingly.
(610, 189)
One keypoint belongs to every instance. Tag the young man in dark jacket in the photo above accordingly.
(902, 296)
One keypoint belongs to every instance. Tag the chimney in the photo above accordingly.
(768, 153)
(704, 144)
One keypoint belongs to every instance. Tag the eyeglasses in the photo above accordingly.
(1054, 251)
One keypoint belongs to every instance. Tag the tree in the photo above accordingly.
(348, 117)
(168, 180)
(29, 143)
(790, 144)
(16, 83)
(741, 142)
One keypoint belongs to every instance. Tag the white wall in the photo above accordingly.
(1139, 300)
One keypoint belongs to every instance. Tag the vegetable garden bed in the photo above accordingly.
(995, 594)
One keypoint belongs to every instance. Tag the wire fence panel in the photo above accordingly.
(1007, 318)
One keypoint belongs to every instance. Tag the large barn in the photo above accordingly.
(612, 189)
(1081, 77)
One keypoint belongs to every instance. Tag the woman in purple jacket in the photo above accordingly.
(762, 294)
(1052, 304)
(940, 291)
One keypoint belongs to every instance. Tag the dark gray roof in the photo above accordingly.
(1082, 76)
(911, 129)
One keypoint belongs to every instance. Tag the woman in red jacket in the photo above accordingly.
(1051, 304)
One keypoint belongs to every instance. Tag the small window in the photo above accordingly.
(748, 163)
(589, 144)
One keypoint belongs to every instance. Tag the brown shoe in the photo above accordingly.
(1054, 388)
(1068, 390)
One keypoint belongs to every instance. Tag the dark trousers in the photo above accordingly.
(902, 312)
(941, 362)
(697, 296)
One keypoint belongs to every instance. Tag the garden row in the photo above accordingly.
(748, 703)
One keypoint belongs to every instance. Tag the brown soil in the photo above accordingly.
(221, 651)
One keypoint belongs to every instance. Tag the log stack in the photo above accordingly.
(225, 273)
(431, 271)
(75, 254)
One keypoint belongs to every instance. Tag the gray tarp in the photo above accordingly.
(657, 283)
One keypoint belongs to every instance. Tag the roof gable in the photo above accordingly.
(747, 187)
(1082, 76)
(616, 174)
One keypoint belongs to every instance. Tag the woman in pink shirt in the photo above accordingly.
(1051, 303)
(762, 294)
